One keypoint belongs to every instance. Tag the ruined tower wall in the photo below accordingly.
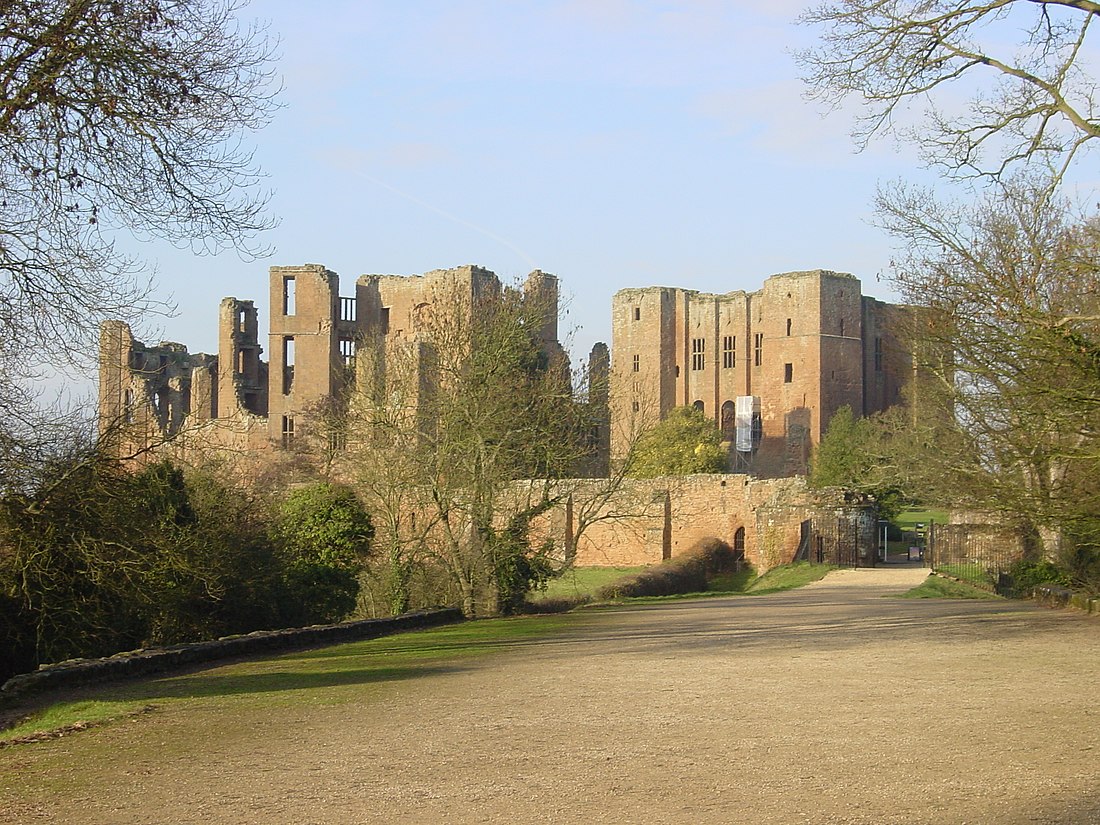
(303, 345)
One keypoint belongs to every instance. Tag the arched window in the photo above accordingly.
(699, 406)
(739, 543)
(729, 420)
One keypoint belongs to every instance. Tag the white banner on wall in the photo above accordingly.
(747, 412)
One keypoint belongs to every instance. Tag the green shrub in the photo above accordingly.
(324, 534)
(1028, 574)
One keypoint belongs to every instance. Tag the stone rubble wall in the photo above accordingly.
(136, 663)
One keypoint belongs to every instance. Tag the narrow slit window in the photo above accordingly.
(788, 373)
(878, 354)
(637, 313)
(242, 320)
(758, 349)
(788, 327)
(637, 363)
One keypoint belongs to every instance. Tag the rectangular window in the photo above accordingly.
(635, 406)
(878, 354)
(758, 349)
(288, 430)
(841, 327)
(384, 321)
(637, 313)
(288, 363)
(241, 320)
(347, 351)
(698, 353)
(729, 351)
(637, 363)
(347, 309)
(288, 296)
(788, 327)
(128, 406)
(788, 373)
(337, 441)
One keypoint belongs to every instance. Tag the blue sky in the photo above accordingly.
(612, 143)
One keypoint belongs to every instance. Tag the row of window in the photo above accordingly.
(729, 354)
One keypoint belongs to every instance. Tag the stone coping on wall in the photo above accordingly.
(135, 663)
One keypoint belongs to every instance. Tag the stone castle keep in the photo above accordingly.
(795, 351)
(770, 367)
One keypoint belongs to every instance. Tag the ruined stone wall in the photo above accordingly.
(648, 520)
(303, 345)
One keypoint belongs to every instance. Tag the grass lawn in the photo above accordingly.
(937, 587)
(909, 519)
(582, 581)
(291, 678)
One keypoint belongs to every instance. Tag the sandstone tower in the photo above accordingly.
(804, 345)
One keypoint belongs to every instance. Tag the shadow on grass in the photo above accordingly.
(207, 684)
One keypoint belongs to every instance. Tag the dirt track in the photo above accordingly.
(824, 705)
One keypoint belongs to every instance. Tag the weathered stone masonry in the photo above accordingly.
(805, 344)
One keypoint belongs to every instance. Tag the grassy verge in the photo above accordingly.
(974, 574)
(343, 671)
(582, 581)
(937, 587)
(788, 577)
(745, 583)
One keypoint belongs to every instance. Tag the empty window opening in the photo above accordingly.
(288, 364)
(841, 327)
(758, 349)
(347, 351)
(637, 313)
(347, 309)
(729, 351)
(700, 406)
(635, 406)
(788, 373)
(788, 327)
(878, 354)
(128, 406)
(698, 353)
(242, 320)
(240, 362)
(288, 430)
(637, 363)
(384, 321)
(288, 296)
(677, 370)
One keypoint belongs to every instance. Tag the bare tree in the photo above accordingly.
(116, 117)
(458, 436)
(1039, 104)
(1006, 416)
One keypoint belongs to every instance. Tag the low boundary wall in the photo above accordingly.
(134, 663)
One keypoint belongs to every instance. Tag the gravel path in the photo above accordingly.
(830, 704)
